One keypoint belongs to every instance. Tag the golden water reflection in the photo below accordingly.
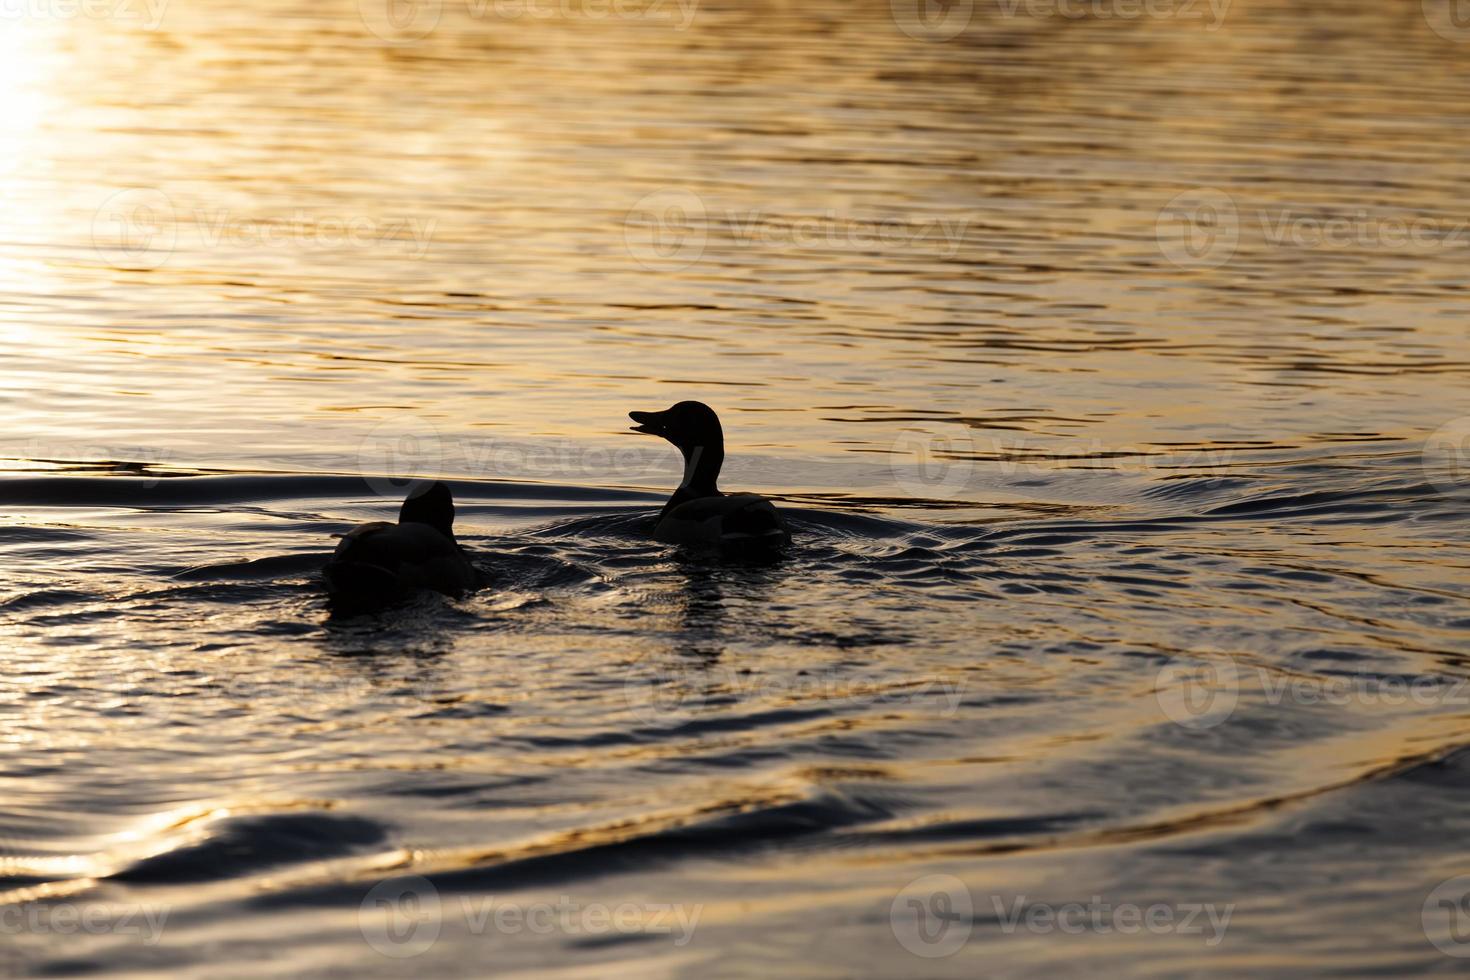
(252, 235)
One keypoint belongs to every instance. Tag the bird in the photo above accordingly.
(698, 514)
(377, 563)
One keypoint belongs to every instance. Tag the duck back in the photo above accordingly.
(733, 521)
(376, 563)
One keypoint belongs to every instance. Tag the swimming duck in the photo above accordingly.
(698, 513)
(379, 562)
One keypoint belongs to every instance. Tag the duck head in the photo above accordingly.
(695, 429)
(431, 504)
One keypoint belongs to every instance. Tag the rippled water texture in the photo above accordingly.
(1112, 368)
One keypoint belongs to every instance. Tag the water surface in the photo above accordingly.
(1099, 362)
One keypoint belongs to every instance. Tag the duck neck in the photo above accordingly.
(702, 469)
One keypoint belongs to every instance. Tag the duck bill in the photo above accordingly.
(650, 423)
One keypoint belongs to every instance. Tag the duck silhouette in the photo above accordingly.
(377, 563)
(698, 514)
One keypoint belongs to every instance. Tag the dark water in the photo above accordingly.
(1111, 368)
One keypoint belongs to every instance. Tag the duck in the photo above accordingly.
(698, 514)
(376, 563)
